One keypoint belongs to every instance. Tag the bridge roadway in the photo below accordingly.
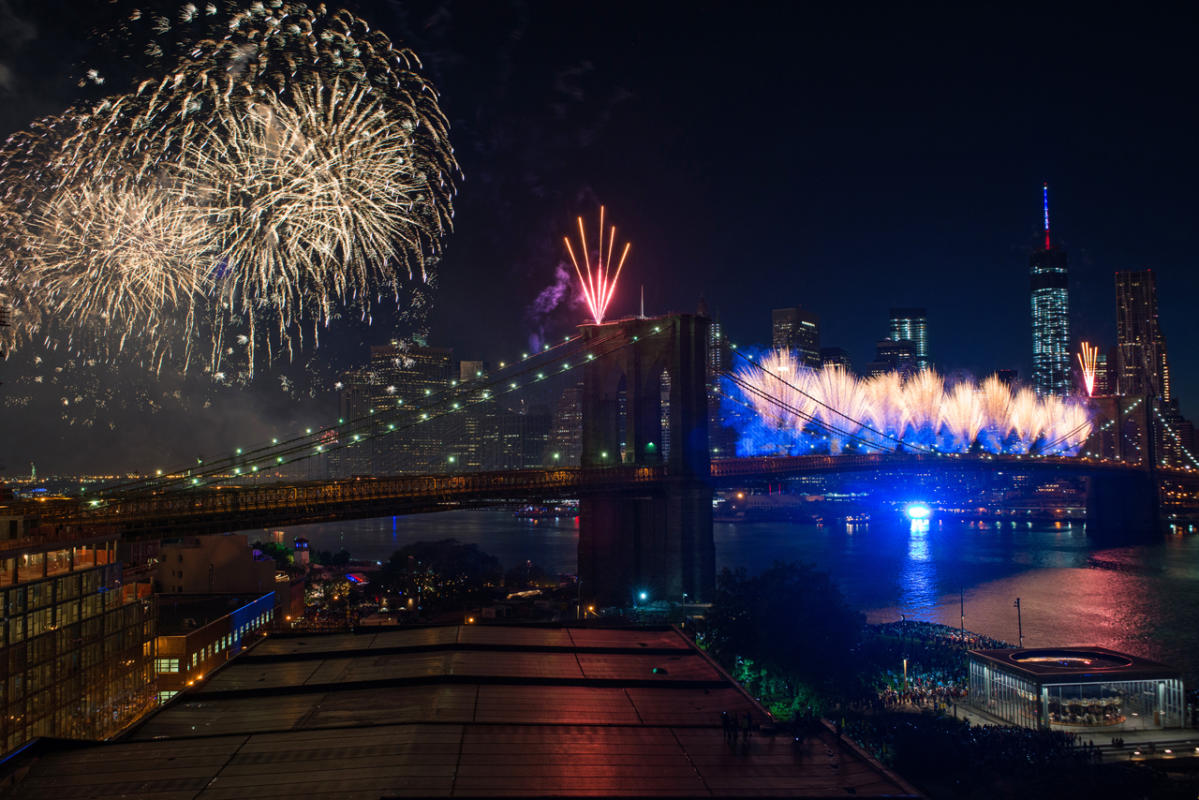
(151, 513)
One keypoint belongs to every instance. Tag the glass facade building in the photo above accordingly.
(1049, 286)
(797, 330)
(911, 325)
(1075, 689)
(76, 643)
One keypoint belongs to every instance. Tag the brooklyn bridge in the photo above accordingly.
(645, 517)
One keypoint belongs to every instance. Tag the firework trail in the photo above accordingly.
(831, 409)
(598, 282)
(924, 398)
(962, 410)
(843, 404)
(308, 170)
(1087, 359)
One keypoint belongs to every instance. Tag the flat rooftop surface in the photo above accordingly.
(185, 613)
(1078, 663)
(460, 711)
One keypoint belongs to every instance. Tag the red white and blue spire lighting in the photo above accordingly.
(1045, 197)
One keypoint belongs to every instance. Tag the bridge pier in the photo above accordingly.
(1123, 508)
(645, 404)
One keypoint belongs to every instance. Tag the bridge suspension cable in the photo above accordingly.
(862, 425)
(372, 425)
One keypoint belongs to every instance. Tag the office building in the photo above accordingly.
(1141, 366)
(892, 356)
(399, 381)
(797, 330)
(911, 325)
(517, 438)
(1104, 383)
(1049, 290)
(76, 641)
(837, 356)
(566, 434)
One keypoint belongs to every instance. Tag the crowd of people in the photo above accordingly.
(921, 664)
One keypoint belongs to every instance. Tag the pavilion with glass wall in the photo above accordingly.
(1075, 689)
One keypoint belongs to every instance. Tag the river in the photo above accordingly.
(1142, 599)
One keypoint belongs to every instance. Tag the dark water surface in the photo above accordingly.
(1142, 599)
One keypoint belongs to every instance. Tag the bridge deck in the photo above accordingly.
(153, 512)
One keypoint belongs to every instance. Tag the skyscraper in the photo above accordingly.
(1049, 287)
(1141, 366)
(836, 355)
(796, 329)
(892, 356)
(398, 380)
(911, 325)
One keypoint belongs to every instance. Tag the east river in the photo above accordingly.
(1141, 599)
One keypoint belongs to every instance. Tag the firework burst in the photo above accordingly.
(800, 410)
(307, 170)
(314, 203)
(119, 258)
(598, 281)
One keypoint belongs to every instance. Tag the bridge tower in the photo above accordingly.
(645, 404)
(1125, 506)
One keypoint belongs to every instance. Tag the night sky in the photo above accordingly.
(845, 158)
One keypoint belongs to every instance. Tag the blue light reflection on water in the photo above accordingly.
(1143, 599)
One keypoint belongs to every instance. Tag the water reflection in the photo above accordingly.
(1143, 599)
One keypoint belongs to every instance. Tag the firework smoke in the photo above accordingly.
(797, 410)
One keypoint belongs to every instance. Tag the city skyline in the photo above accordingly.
(922, 190)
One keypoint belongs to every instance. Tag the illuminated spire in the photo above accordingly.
(1045, 196)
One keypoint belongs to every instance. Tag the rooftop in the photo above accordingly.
(463, 711)
(183, 613)
(1074, 664)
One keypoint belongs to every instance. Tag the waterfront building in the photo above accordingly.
(797, 330)
(1141, 365)
(1049, 290)
(515, 711)
(76, 642)
(217, 564)
(1082, 689)
(911, 325)
(198, 633)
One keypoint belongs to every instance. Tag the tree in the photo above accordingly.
(790, 619)
(280, 552)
